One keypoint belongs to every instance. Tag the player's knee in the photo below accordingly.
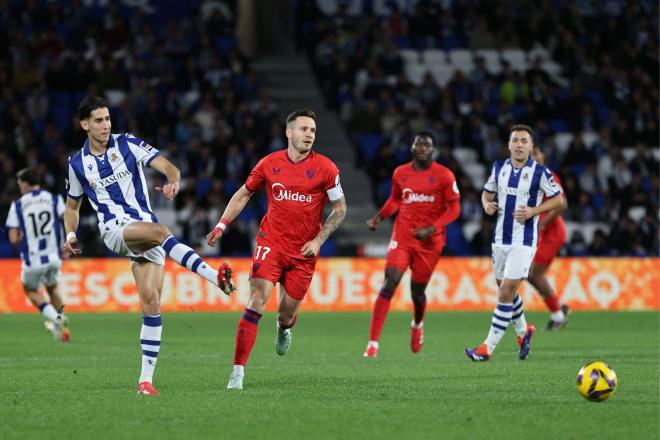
(161, 232)
(150, 301)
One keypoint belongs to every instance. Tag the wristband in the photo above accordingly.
(222, 224)
(70, 235)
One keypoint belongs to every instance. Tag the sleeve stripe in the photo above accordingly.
(74, 197)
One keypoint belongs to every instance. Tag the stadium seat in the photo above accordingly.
(416, 72)
(476, 172)
(465, 154)
(462, 59)
(589, 138)
(434, 57)
(517, 58)
(470, 229)
(563, 141)
(369, 144)
(558, 125)
(492, 59)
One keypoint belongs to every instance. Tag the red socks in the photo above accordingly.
(553, 303)
(246, 335)
(381, 307)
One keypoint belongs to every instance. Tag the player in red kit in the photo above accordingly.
(552, 236)
(427, 198)
(299, 182)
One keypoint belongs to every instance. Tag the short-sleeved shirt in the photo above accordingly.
(297, 193)
(38, 214)
(114, 182)
(519, 187)
(555, 231)
(422, 197)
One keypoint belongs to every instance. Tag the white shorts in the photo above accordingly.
(112, 234)
(34, 278)
(512, 262)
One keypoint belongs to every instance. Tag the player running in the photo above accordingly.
(552, 237)
(299, 182)
(514, 191)
(35, 221)
(427, 198)
(109, 171)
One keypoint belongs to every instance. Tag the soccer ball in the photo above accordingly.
(596, 381)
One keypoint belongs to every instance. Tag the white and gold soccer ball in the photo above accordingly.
(596, 381)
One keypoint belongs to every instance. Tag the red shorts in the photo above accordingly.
(546, 252)
(420, 256)
(294, 274)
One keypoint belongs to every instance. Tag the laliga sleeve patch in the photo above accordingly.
(335, 193)
(455, 187)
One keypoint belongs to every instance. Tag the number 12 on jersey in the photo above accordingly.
(265, 249)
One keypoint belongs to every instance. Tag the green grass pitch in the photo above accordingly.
(324, 388)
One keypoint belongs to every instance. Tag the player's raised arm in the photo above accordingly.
(233, 209)
(391, 206)
(71, 220)
(167, 168)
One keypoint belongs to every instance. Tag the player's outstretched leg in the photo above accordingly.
(150, 335)
(499, 323)
(381, 308)
(246, 335)
(283, 336)
(188, 258)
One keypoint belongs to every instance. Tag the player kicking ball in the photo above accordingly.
(109, 171)
(427, 198)
(35, 223)
(514, 191)
(299, 182)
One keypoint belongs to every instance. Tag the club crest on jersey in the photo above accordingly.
(276, 170)
(432, 180)
(280, 193)
(311, 173)
(89, 166)
(525, 176)
(114, 157)
(409, 196)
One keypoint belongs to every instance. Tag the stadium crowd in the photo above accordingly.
(601, 106)
(176, 79)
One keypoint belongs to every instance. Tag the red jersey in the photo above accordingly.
(555, 231)
(421, 197)
(297, 193)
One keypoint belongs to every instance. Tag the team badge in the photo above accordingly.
(311, 173)
(276, 170)
(114, 157)
(89, 166)
(526, 176)
(432, 180)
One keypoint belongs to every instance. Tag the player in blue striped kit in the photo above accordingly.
(35, 223)
(109, 171)
(515, 192)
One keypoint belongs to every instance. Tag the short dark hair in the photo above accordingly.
(89, 104)
(28, 175)
(425, 133)
(522, 127)
(300, 112)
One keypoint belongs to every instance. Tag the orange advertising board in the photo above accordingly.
(349, 284)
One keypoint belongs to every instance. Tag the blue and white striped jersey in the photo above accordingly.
(114, 182)
(38, 214)
(519, 187)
